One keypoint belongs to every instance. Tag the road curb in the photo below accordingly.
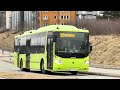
(11, 62)
(104, 67)
(100, 74)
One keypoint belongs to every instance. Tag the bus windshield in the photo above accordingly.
(72, 44)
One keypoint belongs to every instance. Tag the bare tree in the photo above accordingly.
(100, 27)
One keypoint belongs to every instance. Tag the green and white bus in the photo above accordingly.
(54, 48)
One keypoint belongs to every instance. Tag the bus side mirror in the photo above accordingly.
(90, 48)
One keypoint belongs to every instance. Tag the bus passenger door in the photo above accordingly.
(28, 54)
(49, 51)
(18, 53)
(18, 56)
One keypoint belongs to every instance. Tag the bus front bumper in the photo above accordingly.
(63, 67)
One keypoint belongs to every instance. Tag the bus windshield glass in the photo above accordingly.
(72, 44)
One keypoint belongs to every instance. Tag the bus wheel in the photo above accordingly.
(21, 65)
(74, 72)
(28, 70)
(42, 67)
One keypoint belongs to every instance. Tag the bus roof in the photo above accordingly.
(55, 28)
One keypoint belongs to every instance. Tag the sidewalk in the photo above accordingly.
(7, 56)
(6, 53)
(103, 72)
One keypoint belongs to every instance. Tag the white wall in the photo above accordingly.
(8, 19)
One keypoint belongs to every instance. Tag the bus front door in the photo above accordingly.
(18, 53)
(18, 57)
(50, 53)
(28, 54)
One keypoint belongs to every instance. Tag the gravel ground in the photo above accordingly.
(106, 51)
(16, 75)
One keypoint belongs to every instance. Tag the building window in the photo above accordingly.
(45, 17)
(62, 23)
(62, 17)
(45, 24)
(55, 17)
(67, 17)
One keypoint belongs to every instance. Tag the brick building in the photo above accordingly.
(57, 17)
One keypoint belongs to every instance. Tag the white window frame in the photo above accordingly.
(45, 17)
(67, 17)
(54, 17)
(62, 16)
(45, 24)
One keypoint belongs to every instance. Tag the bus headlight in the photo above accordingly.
(86, 62)
(58, 61)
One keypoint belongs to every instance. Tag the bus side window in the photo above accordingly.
(15, 48)
(42, 49)
(37, 49)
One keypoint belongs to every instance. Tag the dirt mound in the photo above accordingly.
(106, 50)
(7, 40)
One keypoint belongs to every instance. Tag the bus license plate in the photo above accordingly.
(72, 69)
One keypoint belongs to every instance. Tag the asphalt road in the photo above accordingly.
(8, 67)
(14, 72)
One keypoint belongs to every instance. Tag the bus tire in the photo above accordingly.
(42, 68)
(74, 72)
(28, 70)
(21, 65)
